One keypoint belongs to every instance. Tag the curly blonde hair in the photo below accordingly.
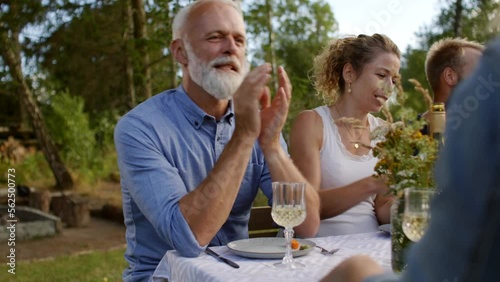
(356, 50)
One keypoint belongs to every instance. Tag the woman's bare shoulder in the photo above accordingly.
(308, 125)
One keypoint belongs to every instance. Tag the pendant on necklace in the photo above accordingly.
(356, 145)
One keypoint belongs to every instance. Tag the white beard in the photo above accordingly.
(221, 85)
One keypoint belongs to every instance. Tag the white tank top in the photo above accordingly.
(339, 168)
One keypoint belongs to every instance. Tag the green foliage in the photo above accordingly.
(33, 168)
(478, 20)
(20, 14)
(90, 65)
(97, 266)
(398, 161)
(87, 151)
(69, 127)
(103, 46)
(414, 68)
(103, 126)
(260, 199)
(406, 157)
(164, 72)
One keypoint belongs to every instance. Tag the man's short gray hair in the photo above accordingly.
(180, 19)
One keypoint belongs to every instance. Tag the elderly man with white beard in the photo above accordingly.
(192, 159)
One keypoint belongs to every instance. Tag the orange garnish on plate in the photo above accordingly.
(295, 244)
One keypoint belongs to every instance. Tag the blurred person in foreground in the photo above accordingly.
(334, 155)
(463, 239)
(192, 159)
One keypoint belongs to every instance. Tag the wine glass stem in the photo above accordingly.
(288, 259)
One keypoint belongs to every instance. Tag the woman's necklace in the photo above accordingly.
(355, 141)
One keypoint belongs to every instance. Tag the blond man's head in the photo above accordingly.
(449, 61)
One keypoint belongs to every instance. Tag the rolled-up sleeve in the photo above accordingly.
(154, 184)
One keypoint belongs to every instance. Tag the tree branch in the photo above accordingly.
(157, 61)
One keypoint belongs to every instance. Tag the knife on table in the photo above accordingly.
(221, 258)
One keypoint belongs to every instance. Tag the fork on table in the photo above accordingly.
(327, 252)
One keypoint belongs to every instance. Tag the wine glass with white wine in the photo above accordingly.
(417, 214)
(289, 210)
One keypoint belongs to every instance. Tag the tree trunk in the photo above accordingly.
(127, 48)
(141, 45)
(457, 24)
(11, 52)
(40, 200)
(76, 212)
(272, 54)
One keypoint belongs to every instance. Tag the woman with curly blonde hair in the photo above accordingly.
(331, 144)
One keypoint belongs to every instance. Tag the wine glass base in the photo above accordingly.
(291, 265)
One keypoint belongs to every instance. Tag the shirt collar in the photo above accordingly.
(229, 115)
(195, 115)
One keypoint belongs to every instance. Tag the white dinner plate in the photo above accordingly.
(385, 228)
(267, 248)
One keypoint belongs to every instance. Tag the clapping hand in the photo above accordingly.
(253, 98)
(273, 115)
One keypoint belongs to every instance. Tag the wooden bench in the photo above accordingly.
(261, 223)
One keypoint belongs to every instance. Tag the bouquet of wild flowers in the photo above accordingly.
(406, 157)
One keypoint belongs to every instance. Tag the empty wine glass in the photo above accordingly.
(416, 215)
(289, 210)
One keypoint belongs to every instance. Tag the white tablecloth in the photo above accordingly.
(207, 268)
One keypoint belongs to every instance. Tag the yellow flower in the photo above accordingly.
(406, 157)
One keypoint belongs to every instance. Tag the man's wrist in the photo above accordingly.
(274, 153)
(244, 138)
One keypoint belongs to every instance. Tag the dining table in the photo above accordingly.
(177, 268)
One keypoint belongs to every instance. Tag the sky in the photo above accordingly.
(398, 19)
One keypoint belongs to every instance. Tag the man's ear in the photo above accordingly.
(450, 76)
(348, 73)
(179, 51)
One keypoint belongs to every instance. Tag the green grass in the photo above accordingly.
(96, 267)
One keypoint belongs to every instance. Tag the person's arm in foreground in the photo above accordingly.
(354, 269)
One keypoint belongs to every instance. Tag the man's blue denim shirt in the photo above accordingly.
(166, 147)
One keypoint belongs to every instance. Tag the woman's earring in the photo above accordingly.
(349, 88)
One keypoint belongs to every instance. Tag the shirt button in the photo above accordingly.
(196, 123)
